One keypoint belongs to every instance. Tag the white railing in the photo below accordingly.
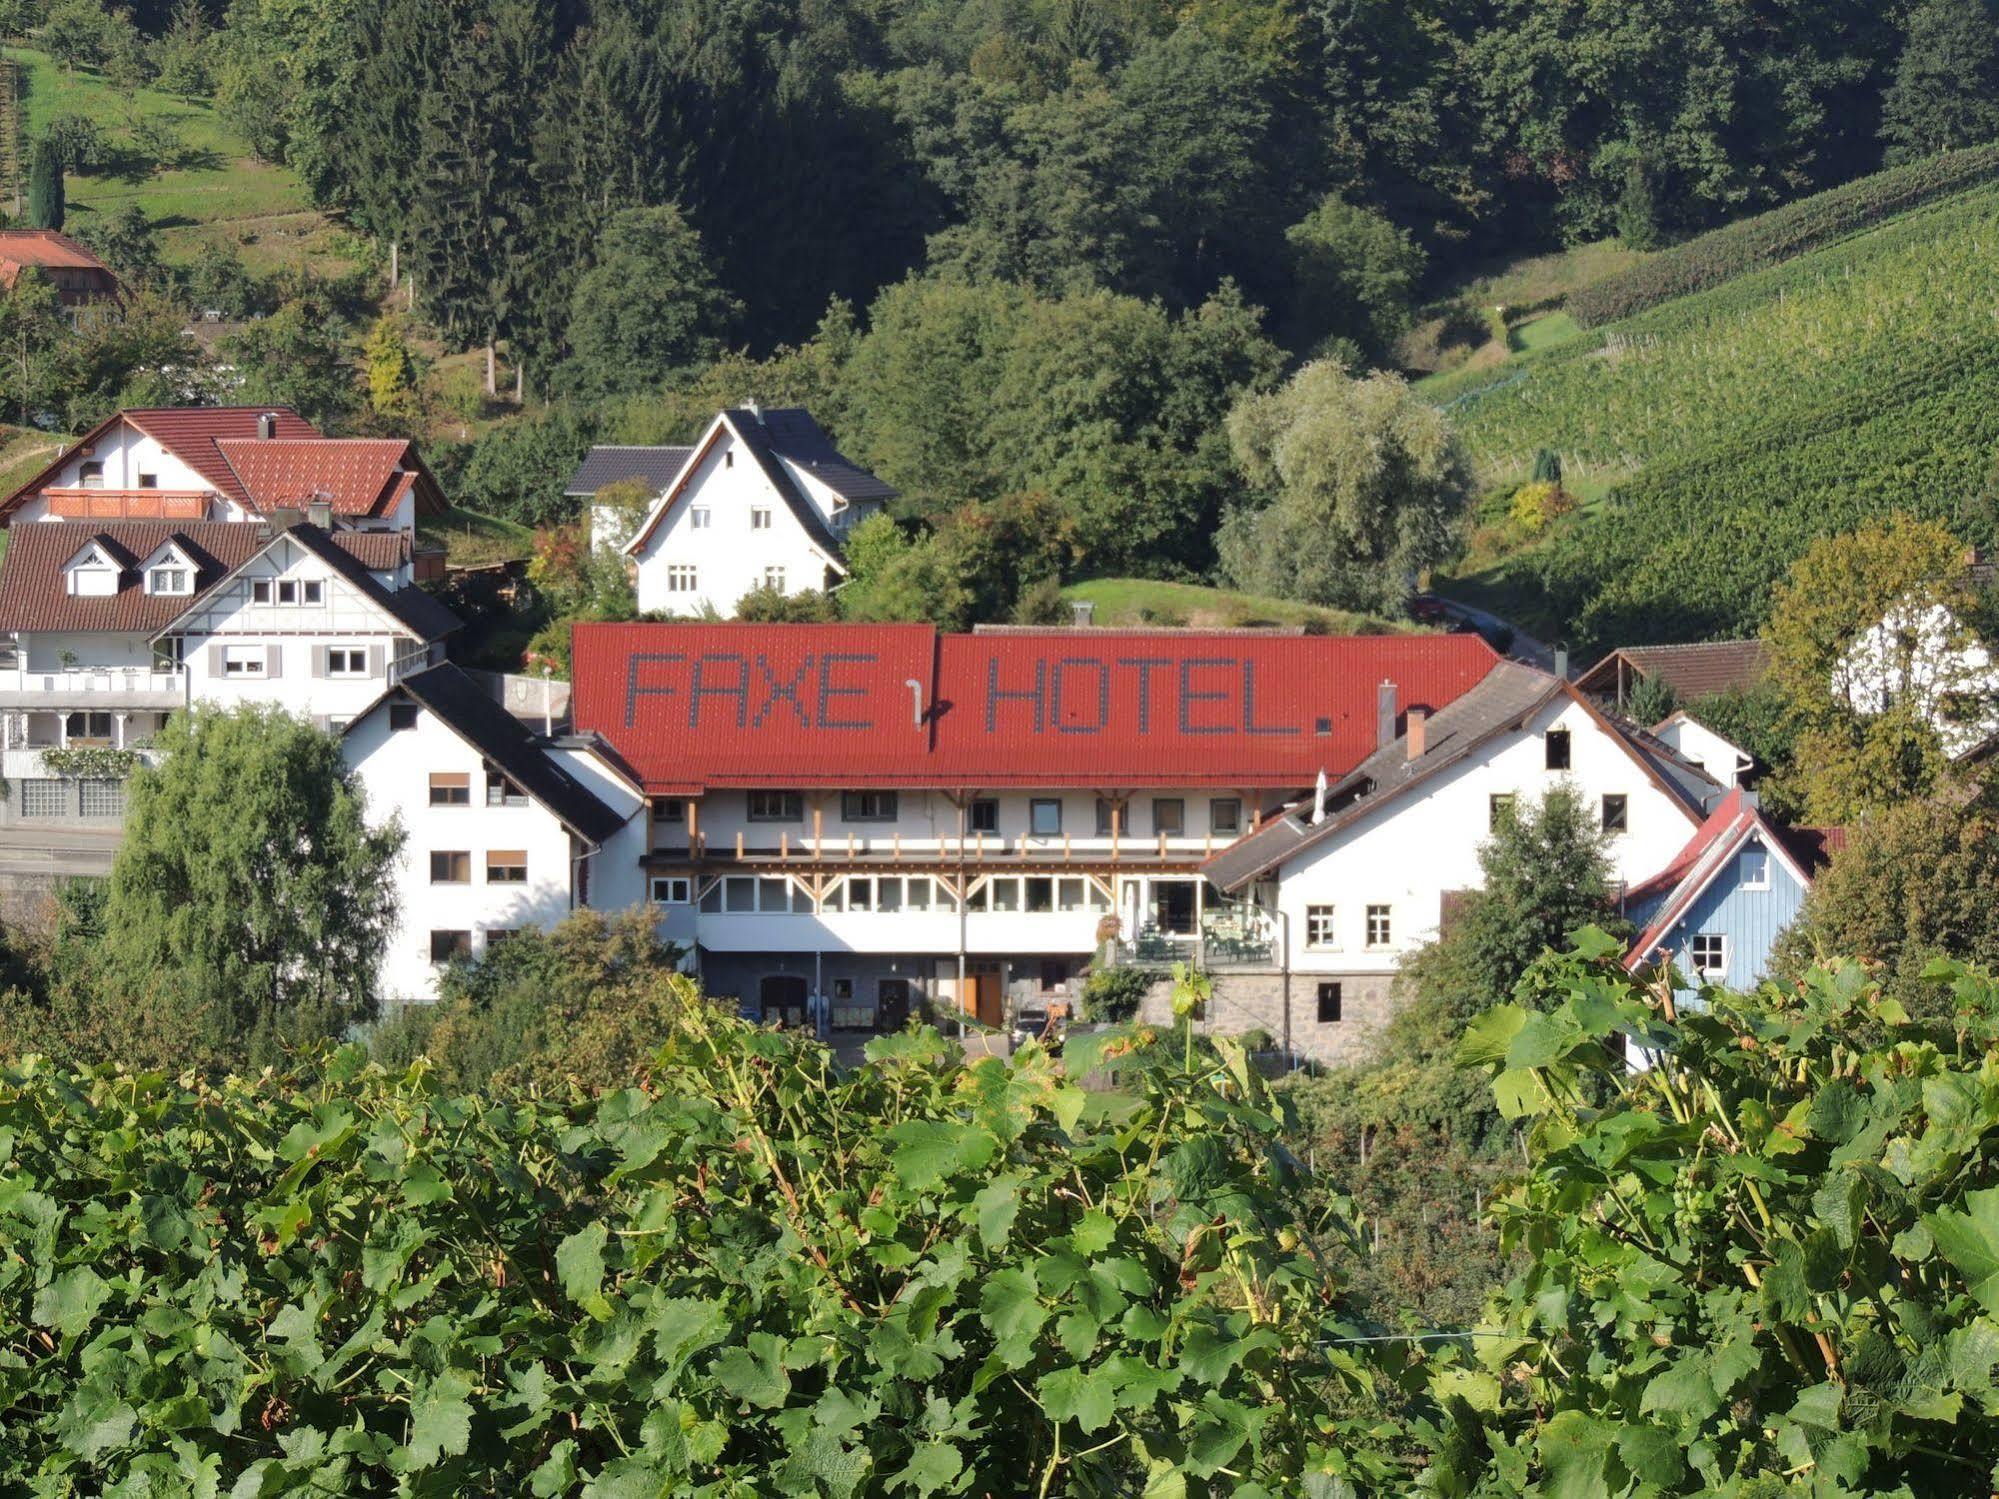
(88, 681)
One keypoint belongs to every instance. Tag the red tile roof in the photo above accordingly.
(356, 475)
(1692, 671)
(44, 247)
(691, 706)
(1734, 819)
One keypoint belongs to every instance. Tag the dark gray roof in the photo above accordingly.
(1507, 696)
(610, 463)
(753, 428)
(469, 710)
(416, 610)
(794, 436)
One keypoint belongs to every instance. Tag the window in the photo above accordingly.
(867, 806)
(1169, 815)
(671, 810)
(450, 867)
(44, 796)
(681, 577)
(90, 474)
(450, 788)
(671, 890)
(1107, 813)
(1225, 814)
(1044, 817)
(506, 866)
(1329, 1003)
(312, 592)
(1038, 893)
(346, 661)
(242, 661)
(495, 935)
(1710, 955)
(985, 814)
(1005, 894)
(1556, 741)
(445, 946)
(501, 792)
(170, 580)
(760, 518)
(1755, 869)
(88, 728)
(774, 578)
(287, 591)
(1616, 813)
(1320, 928)
(1499, 809)
(776, 806)
(728, 458)
(1380, 928)
(401, 716)
(102, 798)
(920, 894)
(149, 481)
(260, 591)
(739, 893)
(698, 518)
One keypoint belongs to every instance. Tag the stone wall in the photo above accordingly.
(1248, 1000)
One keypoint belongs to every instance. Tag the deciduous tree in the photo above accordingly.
(1945, 92)
(648, 306)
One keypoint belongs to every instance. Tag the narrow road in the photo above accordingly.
(1525, 647)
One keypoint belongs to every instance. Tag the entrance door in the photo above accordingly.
(892, 1004)
(985, 993)
(783, 996)
(1173, 907)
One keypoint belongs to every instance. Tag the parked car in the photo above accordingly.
(1037, 1020)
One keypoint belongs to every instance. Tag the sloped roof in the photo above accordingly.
(1735, 821)
(355, 475)
(469, 711)
(33, 595)
(692, 705)
(1692, 671)
(795, 437)
(45, 247)
(609, 464)
(419, 613)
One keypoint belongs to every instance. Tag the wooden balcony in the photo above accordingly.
(128, 504)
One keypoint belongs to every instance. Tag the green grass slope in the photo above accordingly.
(215, 189)
(1147, 601)
(1751, 417)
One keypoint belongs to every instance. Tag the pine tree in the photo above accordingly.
(45, 186)
(1946, 89)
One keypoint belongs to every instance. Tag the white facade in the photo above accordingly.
(1923, 657)
(481, 859)
(126, 458)
(1361, 900)
(1723, 762)
(723, 528)
(290, 630)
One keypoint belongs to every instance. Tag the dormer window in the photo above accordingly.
(91, 573)
(90, 473)
(169, 570)
(169, 580)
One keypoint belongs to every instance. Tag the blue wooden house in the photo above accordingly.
(1716, 911)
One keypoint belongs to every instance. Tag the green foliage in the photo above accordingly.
(1770, 1253)
(518, 470)
(1536, 506)
(249, 895)
(45, 185)
(1353, 276)
(394, 372)
(297, 357)
(1942, 96)
(90, 762)
(767, 604)
(583, 1005)
(1365, 485)
(1114, 994)
(1782, 234)
(759, 1274)
(1651, 699)
(647, 306)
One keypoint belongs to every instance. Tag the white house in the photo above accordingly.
(109, 627)
(763, 500)
(1724, 762)
(505, 828)
(897, 818)
(227, 463)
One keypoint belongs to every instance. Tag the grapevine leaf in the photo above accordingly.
(579, 1261)
(1093, 1233)
(997, 1205)
(557, 1475)
(1970, 1241)
(1488, 1038)
(755, 1374)
(1070, 1394)
(931, 1469)
(1011, 1308)
(69, 1303)
(1683, 1389)
(928, 1150)
(440, 1418)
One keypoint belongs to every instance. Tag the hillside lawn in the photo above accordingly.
(1147, 601)
(219, 191)
(471, 539)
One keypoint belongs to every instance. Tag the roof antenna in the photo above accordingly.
(1319, 799)
(916, 692)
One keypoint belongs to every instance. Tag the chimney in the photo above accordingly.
(1419, 724)
(756, 411)
(1562, 662)
(320, 514)
(267, 425)
(1384, 721)
(1082, 613)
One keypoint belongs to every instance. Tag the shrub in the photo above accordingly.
(1536, 506)
(1114, 994)
(1780, 234)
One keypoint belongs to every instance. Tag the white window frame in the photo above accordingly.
(1756, 851)
(288, 592)
(169, 579)
(245, 661)
(1380, 925)
(1708, 971)
(672, 890)
(311, 591)
(760, 517)
(347, 661)
(260, 591)
(699, 517)
(774, 578)
(1322, 928)
(683, 577)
